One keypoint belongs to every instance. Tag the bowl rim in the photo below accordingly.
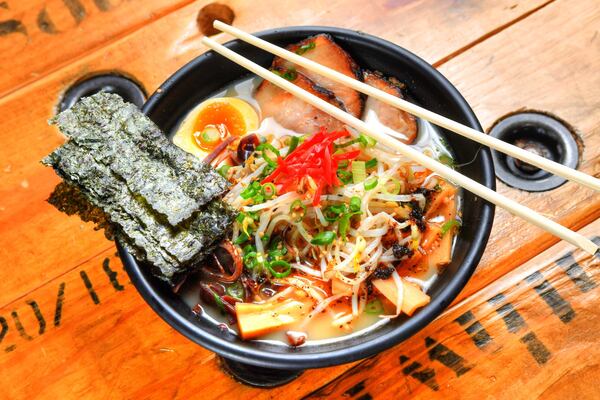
(296, 361)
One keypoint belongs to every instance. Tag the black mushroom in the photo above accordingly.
(246, 147)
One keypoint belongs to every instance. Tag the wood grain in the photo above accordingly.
(151, 55)
(50, 34)
(558, 56)
(110, 344)
(524, 336)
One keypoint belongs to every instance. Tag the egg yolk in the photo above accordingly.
(215, 122)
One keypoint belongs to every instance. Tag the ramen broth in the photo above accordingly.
(319, 329)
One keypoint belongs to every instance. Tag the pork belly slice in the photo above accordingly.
(292, 112)
(389, 116)
(323, 50)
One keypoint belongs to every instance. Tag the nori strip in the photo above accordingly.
(174, 182)
(170, 249)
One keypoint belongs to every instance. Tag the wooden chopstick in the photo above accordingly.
(414, 155)
(473, 134)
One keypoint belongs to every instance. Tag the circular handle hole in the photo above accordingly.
(541, 134)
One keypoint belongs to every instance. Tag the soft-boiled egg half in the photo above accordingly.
(212, 121)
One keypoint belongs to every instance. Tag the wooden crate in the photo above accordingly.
(71, 324)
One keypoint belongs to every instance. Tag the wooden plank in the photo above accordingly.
(105, 341)
(530, 334)
(39, 37)
(548, 62)
(88, 334)
(31, 231)
(119, 348)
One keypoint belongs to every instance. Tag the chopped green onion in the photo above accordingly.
(304, 48)
(210, 135)
(294, 141)
(370, 183)
(269, 190)
(277, 253)
(265, 148)
(343, 164)
(248, 249)
(355, 203)
(267, 171)
(323, 238)
(334, 212)
(359, 172)
(290, 74)
(265, 238)
(219, 302)
(249, 192)
(236, 290)
(344, 224)
(448, 225)
(240, 217)
(223, 169)
(374, 307)
(285, 270)
(276, 243)
(372, 163)
(297, 210)
(258, 198)
(346, 144)
(447, 160)
(345, 176)
(250, 259)
(366, 141)
(241, 239)
(394, 188)
(253, 215)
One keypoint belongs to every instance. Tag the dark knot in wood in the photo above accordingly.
(211, 12)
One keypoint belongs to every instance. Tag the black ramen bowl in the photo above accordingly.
(208, 73)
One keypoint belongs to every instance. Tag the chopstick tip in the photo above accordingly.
(217, 24)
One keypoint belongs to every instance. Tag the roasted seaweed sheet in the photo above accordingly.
(101, 167)
(174, 182)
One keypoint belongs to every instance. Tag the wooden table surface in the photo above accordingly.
(72, 325)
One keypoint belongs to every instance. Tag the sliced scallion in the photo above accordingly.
(343, 225)
(279, 268)
(323, 238)
(448, 225)
(447, 160)
(344, 176)
(334, 212)
(265, 148)
(374, 307)
(223, 169)
(269, 190)
(210, 135)
(366, 141)
(393, 186)
(236, 290)
(294, 141)
(297, 210)
(241, 239)
(306, 47)
(370, 183)
(355, 203)
(372, 163)
(359, 172)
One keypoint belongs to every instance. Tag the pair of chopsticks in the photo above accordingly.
(414, 155)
